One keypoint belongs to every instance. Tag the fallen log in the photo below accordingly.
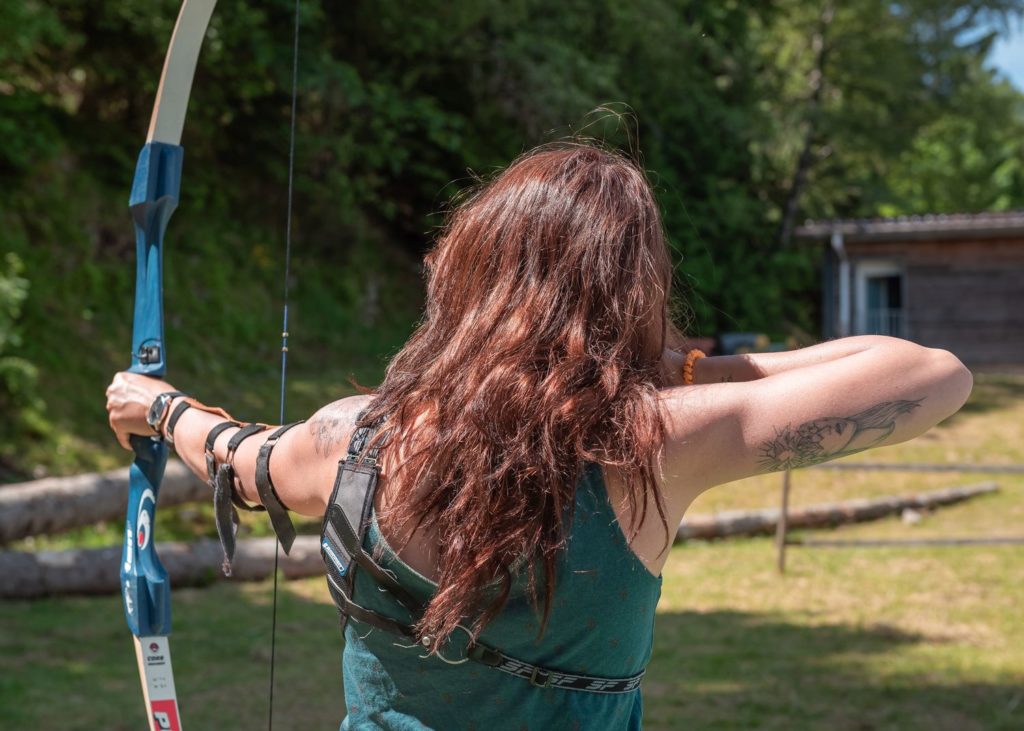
(58, 504)
(762, 522)
(95, 570)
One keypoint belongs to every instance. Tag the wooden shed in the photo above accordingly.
(945, 281)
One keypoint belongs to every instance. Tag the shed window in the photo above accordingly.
(881, 302)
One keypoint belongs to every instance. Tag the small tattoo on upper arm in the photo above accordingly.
(820, 440)
(328, 427)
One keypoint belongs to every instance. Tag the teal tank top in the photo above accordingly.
(601, 623)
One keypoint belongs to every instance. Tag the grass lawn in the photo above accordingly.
(858, 640)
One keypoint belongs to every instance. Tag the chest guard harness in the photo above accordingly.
(341, 545)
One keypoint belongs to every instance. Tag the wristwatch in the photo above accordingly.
(158, 409)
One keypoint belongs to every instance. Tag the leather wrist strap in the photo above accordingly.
(172, 420)
(191, 403)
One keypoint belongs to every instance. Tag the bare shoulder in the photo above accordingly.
(305, 462)
(331, 427)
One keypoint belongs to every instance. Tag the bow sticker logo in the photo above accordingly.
(165, 715)
(143, 520)
(128, 549)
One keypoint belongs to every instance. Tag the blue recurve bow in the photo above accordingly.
(154, 196)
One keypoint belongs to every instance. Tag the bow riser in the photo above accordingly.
(145, 585)
(147, 598)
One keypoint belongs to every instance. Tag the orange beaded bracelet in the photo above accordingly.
(692, 357)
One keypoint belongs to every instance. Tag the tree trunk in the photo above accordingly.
(95, 570)
(58, 504)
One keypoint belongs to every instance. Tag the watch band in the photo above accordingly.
(162, 401)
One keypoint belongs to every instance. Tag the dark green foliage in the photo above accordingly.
(403, 104)
(18, 395)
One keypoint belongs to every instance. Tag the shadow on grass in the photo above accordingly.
(731, 670)
(69, 663)
(710, 671)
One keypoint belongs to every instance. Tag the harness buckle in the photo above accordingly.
(484, 655)
(537, 672)
(427, 639)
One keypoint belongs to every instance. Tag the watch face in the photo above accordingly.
(156, 411)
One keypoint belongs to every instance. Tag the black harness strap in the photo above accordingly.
(348, 539)
(545, 678)
(348, 513)
(341, 546)
(347, 520)
(349, 608)
(276, 509)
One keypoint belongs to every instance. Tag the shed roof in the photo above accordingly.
(1008, 224)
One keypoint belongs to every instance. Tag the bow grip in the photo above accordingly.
(145, 587)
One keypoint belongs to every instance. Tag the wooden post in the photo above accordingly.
(780, 529)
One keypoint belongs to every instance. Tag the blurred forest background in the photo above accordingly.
(750, 117)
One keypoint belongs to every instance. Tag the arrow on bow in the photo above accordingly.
(144, 584)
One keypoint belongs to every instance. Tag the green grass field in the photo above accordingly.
(847, 640)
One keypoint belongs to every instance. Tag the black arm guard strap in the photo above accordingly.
(225, 499)
(276, 509)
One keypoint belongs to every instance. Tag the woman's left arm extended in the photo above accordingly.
(303, 463)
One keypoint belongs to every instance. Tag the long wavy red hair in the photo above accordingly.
(546, 320)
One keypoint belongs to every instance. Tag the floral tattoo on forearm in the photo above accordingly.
(818, 441)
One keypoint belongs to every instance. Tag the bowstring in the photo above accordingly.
(284, 329)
